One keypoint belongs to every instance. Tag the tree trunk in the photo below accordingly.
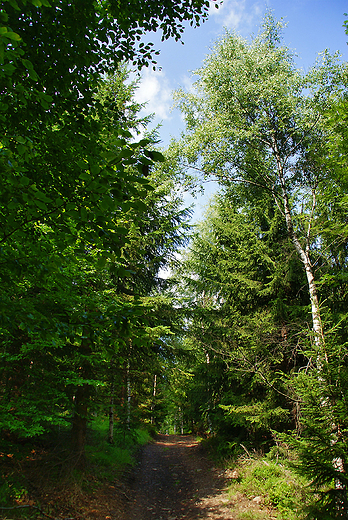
(181, 416)
(111, 415)
(319, 340)
(210, 424)
(81, 399)
(153, 399)
(305, 258)
(79, 424)
(129, 396)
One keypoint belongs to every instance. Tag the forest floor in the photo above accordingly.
(174, 479)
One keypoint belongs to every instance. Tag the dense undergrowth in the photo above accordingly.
(275, 485)
(268, 479)
(43, 479)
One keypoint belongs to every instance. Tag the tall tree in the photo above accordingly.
(255, 120)
(80, 286)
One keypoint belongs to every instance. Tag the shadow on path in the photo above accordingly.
(174, 480)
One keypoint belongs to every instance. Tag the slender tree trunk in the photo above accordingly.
(79, 424)
(312, 289)
(81, 399)
(111, 414)
(319, 340)
(210, 424)
(129, 396)
(181, 415)
(153, 398)
(305, 258)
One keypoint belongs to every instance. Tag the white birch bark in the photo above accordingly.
(153, 398)
(304, 255)
(319, 341)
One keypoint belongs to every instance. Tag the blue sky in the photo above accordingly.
(312, 26)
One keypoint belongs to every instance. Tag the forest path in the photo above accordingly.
(175, 480)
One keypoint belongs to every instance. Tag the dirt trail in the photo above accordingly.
(174, 480)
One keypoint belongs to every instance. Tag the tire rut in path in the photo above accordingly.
(175, 481)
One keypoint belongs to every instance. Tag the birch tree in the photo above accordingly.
(255, 119)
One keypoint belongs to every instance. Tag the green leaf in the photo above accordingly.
(13, 205)
(142, 180)
(84, 214)
(33, 75)
(85, 176)
(156, 156)
(24, 181)
(9, 68)
(21, 149)
(27, 64)
(12, 36)
(42, 196)
(109, 156)
(126, 153)
(82, 164)
(14, 4)
(94, 169)
(123, 273)
(141, 143)
(101, 262)
(40, 205)
(45, 96)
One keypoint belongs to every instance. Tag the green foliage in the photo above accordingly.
(276, 484)
(83, 231)
(239, 309)
(257, 416)
(12, 484)
(321, 445)
(111, 459)
(253, 122)
(252, 515)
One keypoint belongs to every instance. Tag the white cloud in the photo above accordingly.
(187, 82)
(238, 14)
(213, 6)
(154, 90)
